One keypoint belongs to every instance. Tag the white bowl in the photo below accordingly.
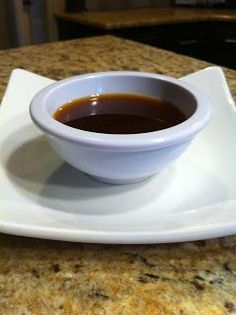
(115, 158)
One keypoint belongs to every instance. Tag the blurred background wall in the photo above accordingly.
(123, 4)
(26, 22)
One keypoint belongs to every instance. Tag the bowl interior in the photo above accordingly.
(83, 86)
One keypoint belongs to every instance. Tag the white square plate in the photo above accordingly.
(43, 197)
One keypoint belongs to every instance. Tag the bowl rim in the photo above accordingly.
(131, 142)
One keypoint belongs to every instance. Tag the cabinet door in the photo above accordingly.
(222, 48)
(185, 38)
(223, 36)
(151, 35)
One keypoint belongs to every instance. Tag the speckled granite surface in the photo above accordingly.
(144, 17)
(48, 277)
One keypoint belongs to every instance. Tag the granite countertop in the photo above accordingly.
(49, 277)
(145, 17)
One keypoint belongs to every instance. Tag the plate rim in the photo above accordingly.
(122, 237)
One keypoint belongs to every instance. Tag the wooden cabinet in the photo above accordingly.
(186, 38)
(222, 48)
(213, 41)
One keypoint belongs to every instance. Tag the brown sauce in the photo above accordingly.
(119, 114)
